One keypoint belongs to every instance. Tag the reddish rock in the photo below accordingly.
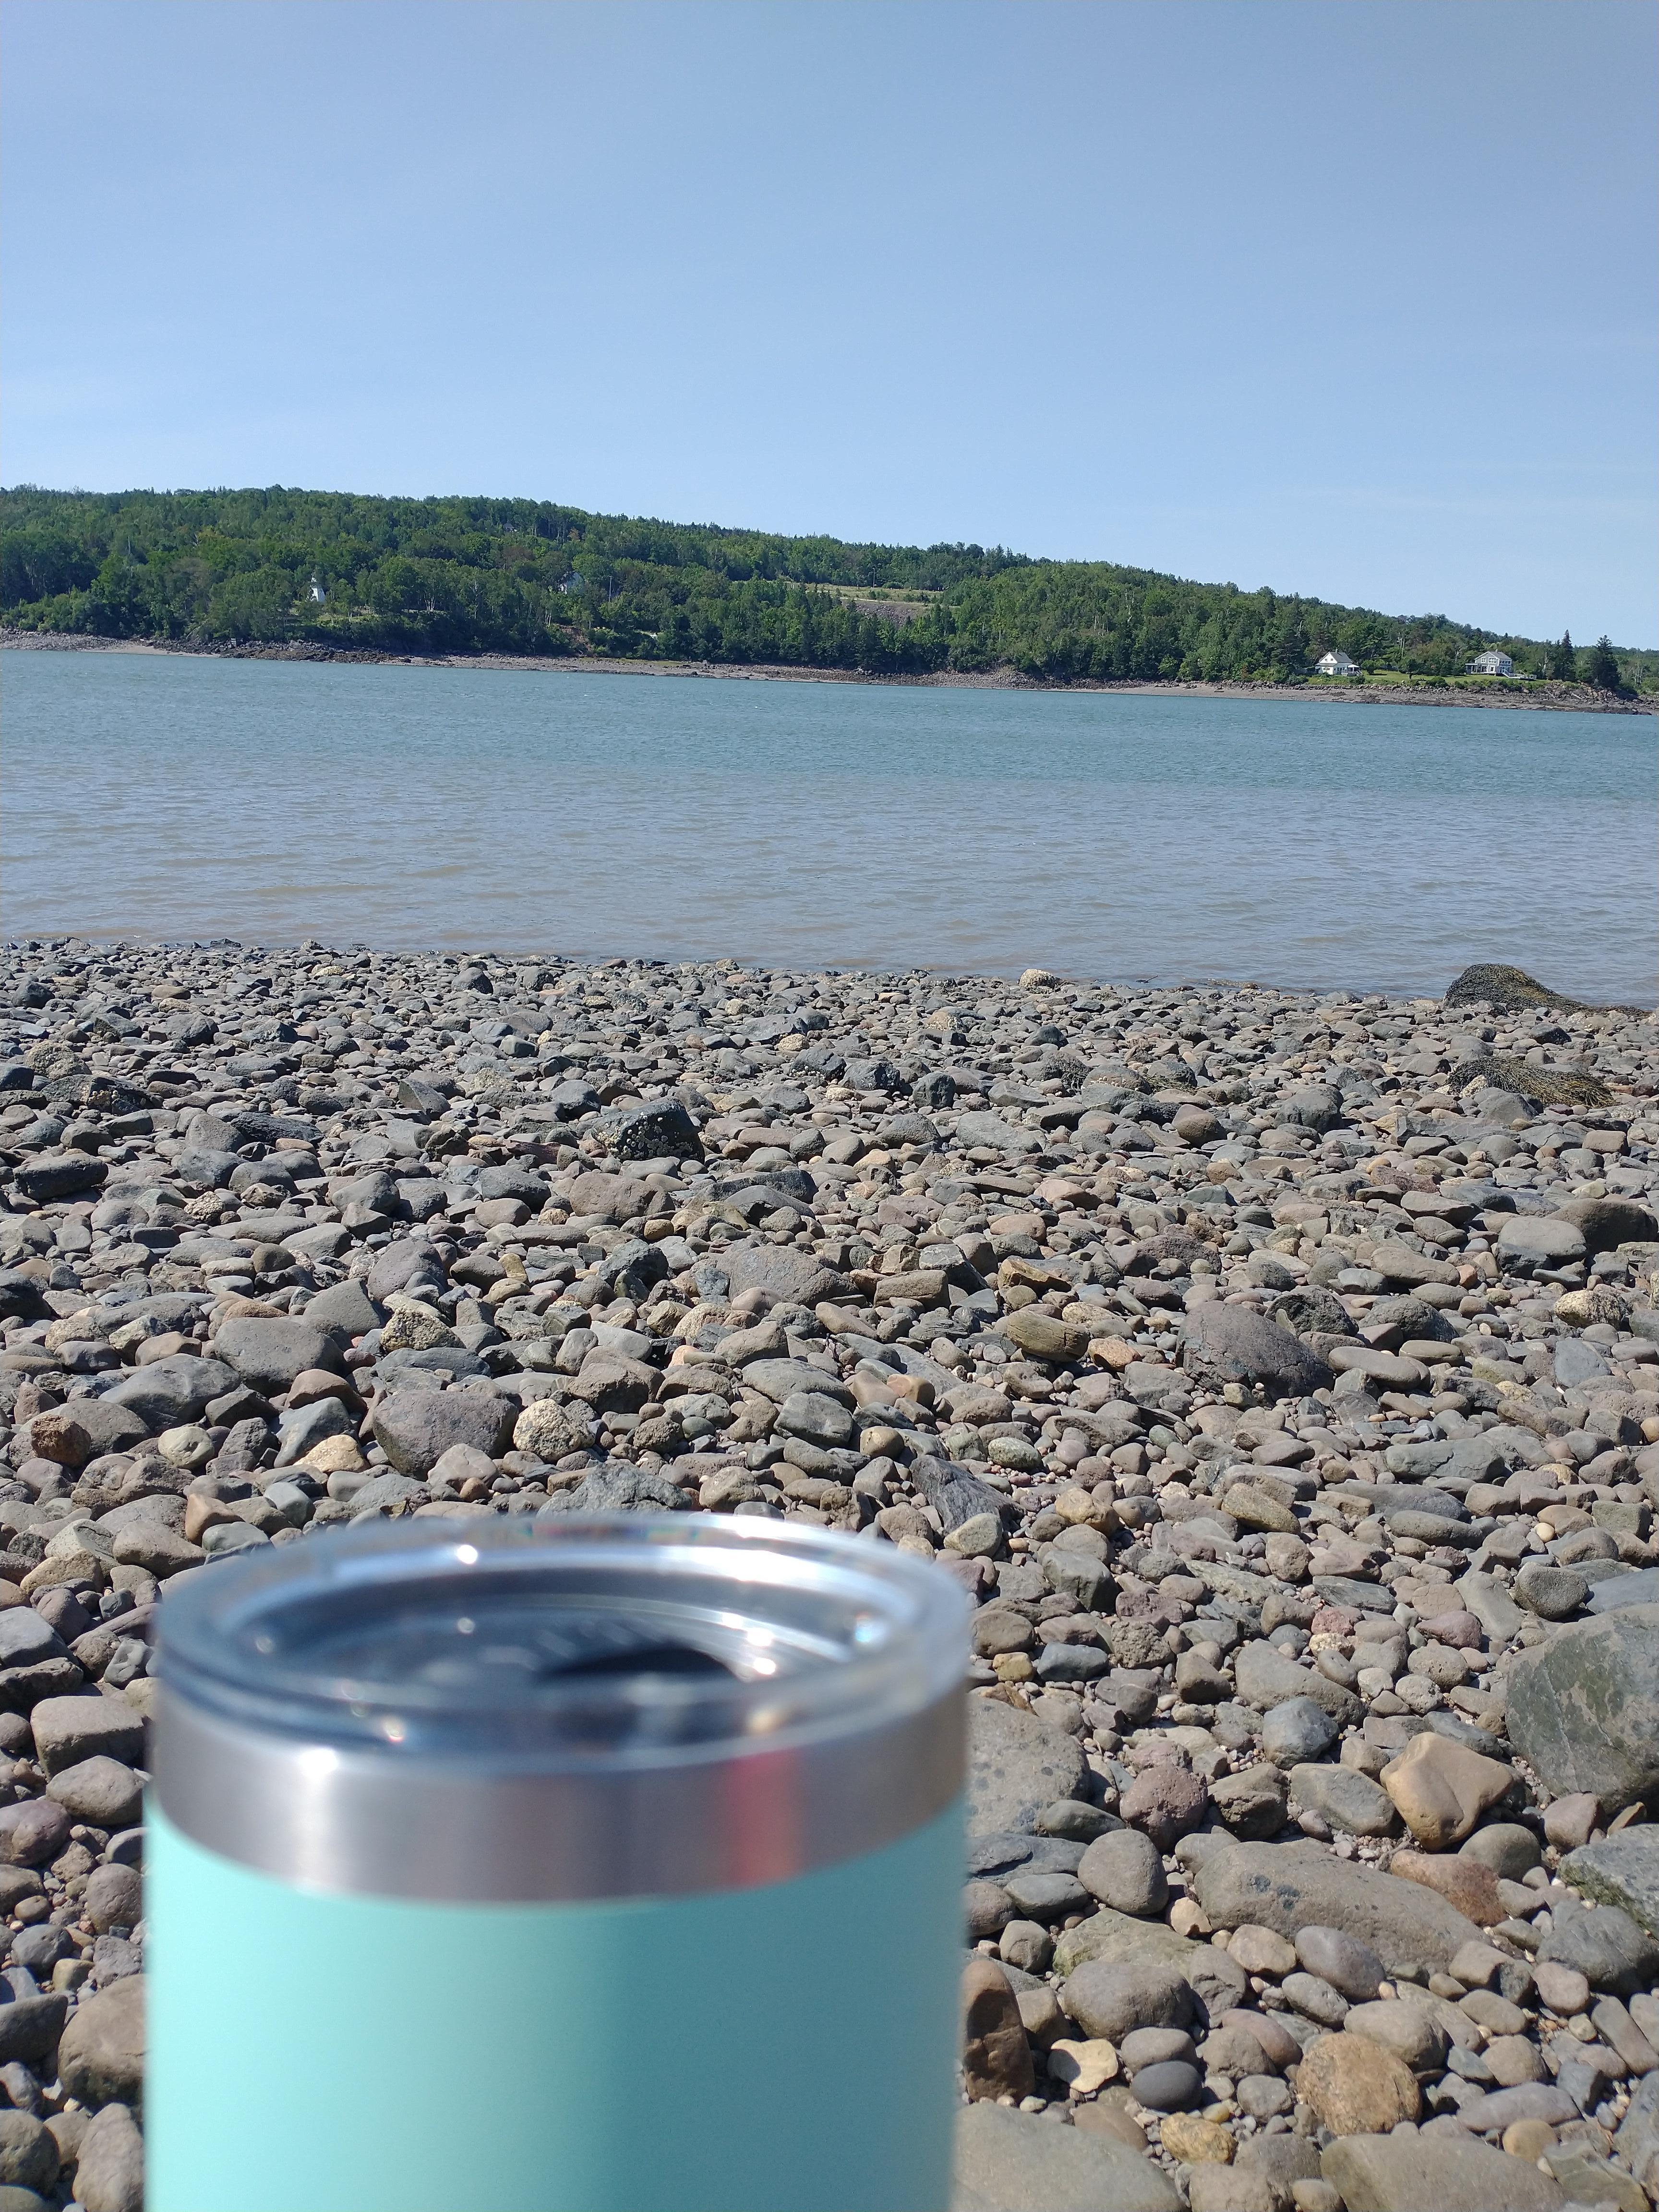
(1472, 1888)
(1167, 1802)
(996, 2055)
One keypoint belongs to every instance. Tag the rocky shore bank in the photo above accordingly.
(1278, 1373)
(1569, 698)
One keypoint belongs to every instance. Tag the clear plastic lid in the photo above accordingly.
(624, 1640)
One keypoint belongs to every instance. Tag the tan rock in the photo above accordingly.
(201, 1514)
(1041, 2015)
(1261, 1951)
(1356, 2087)
(1514, 2059)
(1472, 1888)
(188, 1446)
(1562, 1988)
(1288, 1558)
(335, 1455)
(416, 1327)
(1529, 2139)
(1195, 2142)
(1078, 1506)
(1440, 1790)
(1257, 1509)
(1109, 2115)
(996, 2057)
(1403, 2026)
(159, 1550)
(100, 2058)
(59, 1436)
(66, 1567)
(1045, 1337)
(1083, 2066)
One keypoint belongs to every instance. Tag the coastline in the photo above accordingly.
(1542, 697)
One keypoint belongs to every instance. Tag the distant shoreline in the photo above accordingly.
(1540, 697)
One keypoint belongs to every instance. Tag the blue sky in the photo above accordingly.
(1354, 297)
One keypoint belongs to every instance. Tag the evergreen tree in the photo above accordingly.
(1564, 662)
(1602, 670)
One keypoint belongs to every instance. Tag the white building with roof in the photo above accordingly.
(1337, 664)
(1492, 664)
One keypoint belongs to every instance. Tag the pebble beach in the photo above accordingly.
(1278, 1372)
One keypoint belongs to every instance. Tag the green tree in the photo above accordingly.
(1601, 669)
(1563, 661)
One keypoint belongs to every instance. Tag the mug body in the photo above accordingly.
(612, 1868)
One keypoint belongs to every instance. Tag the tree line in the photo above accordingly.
(524, 576)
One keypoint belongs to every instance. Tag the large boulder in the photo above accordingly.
(100, 2056)
(793, 1276)
(107, 1425)
(169, 1392)
(1505, 990)
(661, 1130)
(1119, 1939)
(1540, 1239)
(780, 1379)
(1583, 1708)
(1621, 1870)
(51, 1176)
(1604, 1944)
(415, 1428)
(109, 2169)
(344, 1309)
(1315, 1106)
(68, 1730)
(1235, 1344)
(1606, 1223)
(614, 1487)
(409, 1264)
(1267, 1678)
(269, 1354)
(1110, 1998)
(1017, 1767)
(1013, 2161)
(1453, 2174)
(1286, 1888)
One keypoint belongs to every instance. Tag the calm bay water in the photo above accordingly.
(827, 825)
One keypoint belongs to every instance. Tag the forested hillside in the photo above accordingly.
(522, 576)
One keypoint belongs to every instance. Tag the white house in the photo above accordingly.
(317, 595)
(1493, 663)
(1337, 664)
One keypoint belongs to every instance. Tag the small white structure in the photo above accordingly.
(1337, 664)
(1492, 664)
(318, 594)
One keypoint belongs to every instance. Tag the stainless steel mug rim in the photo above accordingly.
(872, 1747)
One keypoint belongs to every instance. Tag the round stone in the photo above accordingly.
(1342, 1960)
(1357, 2088)
(1552, 1593)
(1167, 2086)
(1262, 2096)
(1298, 1731)
(1154, 2046)
(1506, 1847)
(1125, 1871)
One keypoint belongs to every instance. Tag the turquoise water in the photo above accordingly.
(1289, 842)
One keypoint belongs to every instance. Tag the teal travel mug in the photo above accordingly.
(609, 1868)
